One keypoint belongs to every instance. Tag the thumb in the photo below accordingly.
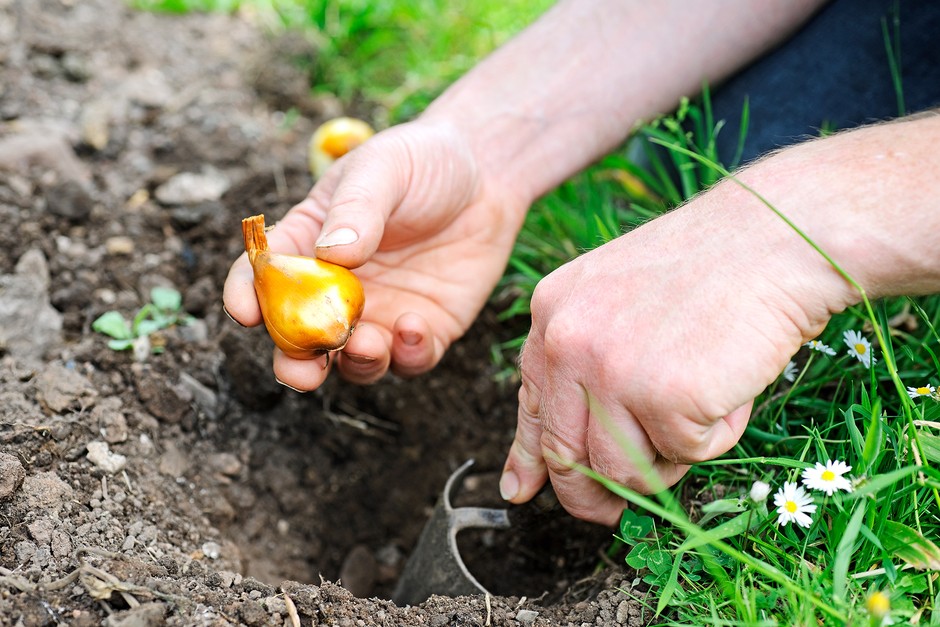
(370, 184)
(525, 471)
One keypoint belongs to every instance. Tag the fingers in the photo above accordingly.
(583, 497)
(343, 218)
(371, 351)
(366, 356)
(293, 235)
(567, 429)
(415, 349)
(373, 181)
(408, 350)
(613, 444)
(524, 472)
(562, 425)
(301, 375)
(238, 294)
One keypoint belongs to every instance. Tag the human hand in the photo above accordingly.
(427, 234)
(664, 335)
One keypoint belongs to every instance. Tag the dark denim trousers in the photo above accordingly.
(834, 73)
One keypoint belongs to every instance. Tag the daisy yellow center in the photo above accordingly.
(860, 349)
(828, 475)
(923, 390)
(790, 506)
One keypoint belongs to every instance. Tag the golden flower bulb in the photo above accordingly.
(333, 139)
(310, 307)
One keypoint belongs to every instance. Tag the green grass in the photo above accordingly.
(876, 538)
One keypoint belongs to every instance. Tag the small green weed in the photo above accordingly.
(164, 310)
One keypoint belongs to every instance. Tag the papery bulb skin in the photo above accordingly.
(333, 139)
(310, 307)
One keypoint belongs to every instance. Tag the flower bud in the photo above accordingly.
(759, 491)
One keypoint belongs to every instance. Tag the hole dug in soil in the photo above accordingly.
(341, 482)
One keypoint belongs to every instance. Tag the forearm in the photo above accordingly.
(870, 198)
(572, 86)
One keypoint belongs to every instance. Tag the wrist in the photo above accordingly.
(869, 199)
(501, 140)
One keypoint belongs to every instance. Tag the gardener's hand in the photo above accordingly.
(410, 211)
(645, 354)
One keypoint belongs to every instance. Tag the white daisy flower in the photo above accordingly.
(859, 347)
(790, 372)
(818, 346)
(924, 390)
(827, 478)
(760, 491)
(794, 505)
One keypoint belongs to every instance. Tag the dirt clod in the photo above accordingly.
(11, 475)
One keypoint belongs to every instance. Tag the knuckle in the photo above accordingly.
(563, 334)
(544, 297)
(522, 454)
(351, 195)
(528, 403)
(362, 374)
(682, 446)
(581, 511)
(560, 451)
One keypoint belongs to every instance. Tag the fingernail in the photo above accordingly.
(290, 386)
(232, 318)
(509, 485)
(359, 359)
(339, 237)
(410, 338)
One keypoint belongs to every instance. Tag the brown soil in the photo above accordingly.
(189, 488)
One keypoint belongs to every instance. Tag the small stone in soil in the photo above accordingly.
(29, 325)
(46, 492)
(69, 199)
(99, 454)
(189, 188)
(357, 573)
(212, 550)
(11, 475)
(173, 462)
(60, 388)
